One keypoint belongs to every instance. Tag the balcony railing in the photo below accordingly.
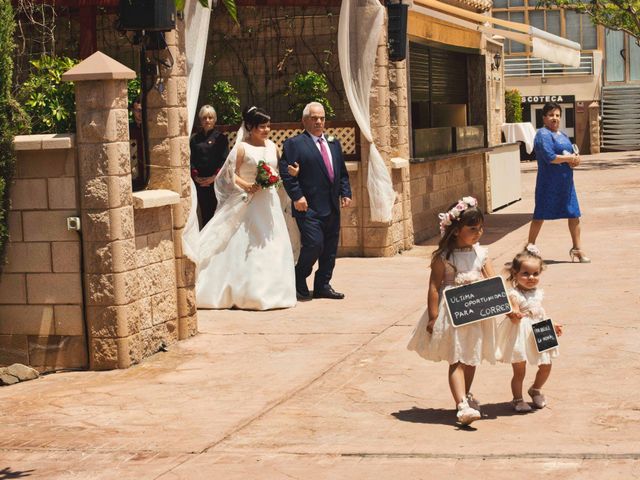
(537, 67)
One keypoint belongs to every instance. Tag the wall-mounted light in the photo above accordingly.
(495, 62)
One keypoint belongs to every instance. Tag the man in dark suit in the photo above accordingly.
(318, 191)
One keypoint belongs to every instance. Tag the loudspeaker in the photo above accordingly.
(397, 30)
(149, 15)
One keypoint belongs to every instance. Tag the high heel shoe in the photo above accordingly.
(577, 253)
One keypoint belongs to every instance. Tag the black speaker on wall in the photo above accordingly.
(397, 31)
(148, 15)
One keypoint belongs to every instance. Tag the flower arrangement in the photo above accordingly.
(267, 177)
(331, 139)
(447, 218)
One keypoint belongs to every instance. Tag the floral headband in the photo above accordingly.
(447, 218)
(532, 249)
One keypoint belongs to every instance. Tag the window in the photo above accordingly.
(509, 45)
(581, 29)
(438, 79)
(564, 23)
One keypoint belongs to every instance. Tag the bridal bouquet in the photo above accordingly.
(267, 177)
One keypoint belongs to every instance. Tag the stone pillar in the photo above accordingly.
(594, 127)
(169, 150)
(108, 245)
(400, 149)
(390, 132)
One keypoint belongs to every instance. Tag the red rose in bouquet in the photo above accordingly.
(267, 177)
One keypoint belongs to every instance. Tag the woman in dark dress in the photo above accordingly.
(555, 193)
(209, 149)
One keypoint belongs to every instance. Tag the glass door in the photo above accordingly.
(622, 58)
(615, 56)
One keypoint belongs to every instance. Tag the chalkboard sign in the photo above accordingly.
(477, 301)
(545, 335)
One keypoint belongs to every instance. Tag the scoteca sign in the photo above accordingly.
(549, 98)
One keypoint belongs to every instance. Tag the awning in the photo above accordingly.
(544, 45)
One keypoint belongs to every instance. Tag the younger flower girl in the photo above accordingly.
(515, 340)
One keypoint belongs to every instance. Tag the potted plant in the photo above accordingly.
(308, 87)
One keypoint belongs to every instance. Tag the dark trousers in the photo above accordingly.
(319, 238)
(207, 203)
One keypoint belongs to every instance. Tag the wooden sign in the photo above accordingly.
(477, 301)
(545, 335)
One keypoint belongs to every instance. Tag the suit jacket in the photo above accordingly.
(312, 181)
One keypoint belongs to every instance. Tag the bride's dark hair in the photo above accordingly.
(254, 116)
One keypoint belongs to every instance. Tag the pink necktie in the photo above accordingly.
(325, 157)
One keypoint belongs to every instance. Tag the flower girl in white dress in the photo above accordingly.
(516, 343)
(458, 260)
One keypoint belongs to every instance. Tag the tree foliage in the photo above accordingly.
(623, 15)
(225, 100)
(513, 106)
(229, 5)
(48, 100)
(13, 121)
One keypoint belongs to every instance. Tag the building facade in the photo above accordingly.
(609, 74)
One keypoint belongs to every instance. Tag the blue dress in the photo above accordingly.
(555, 193)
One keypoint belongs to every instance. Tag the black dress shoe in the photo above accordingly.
(328, 292)
(303, 297)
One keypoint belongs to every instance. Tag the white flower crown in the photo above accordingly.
(447, 218)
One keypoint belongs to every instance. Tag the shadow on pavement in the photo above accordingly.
(608, 163)
(6, 473)
(441, 416)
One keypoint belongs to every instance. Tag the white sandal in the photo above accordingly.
(539, 400)
(467, 415)
(473, 401)
(520, 406)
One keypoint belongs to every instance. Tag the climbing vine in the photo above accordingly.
(12, 119)
(262, 55)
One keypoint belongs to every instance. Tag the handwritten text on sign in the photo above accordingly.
(477, 301)
(545, 335)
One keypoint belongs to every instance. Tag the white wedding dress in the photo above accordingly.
(255, 269)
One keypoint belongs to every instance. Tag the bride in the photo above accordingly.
(245, 257)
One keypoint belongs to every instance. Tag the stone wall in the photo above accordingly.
(41, 307)
(437, 183)
(125, 269)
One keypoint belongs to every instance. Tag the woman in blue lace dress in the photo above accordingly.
(555, 192)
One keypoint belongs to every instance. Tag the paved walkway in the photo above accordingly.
(327, 390)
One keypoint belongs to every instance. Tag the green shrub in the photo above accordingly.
(225, 100)
(305, 88)
(513, 106)
(13, 121)
(48, 100)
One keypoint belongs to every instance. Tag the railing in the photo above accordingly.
(348, 133)
(537, 67)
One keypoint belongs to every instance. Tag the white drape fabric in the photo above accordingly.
(359, 29)
(196, 20)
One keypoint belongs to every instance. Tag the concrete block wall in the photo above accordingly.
(436, 184)
(170, 169)
(41, 306)
(351, 218)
